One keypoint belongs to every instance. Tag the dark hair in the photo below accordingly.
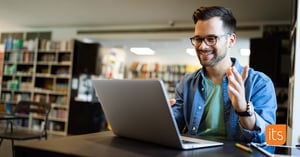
(205, 13)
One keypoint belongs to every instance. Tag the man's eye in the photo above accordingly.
(210, 38)
(198, 39)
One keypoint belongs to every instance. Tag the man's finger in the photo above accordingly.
(245, 72)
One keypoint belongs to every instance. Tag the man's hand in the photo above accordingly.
(236, 89)
(172, 101)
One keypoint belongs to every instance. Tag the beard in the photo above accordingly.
(206, 60)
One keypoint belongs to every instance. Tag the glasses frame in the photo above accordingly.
(215, 37)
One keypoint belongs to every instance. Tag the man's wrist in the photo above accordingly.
(249, 110)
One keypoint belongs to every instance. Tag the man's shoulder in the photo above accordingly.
(258, 76)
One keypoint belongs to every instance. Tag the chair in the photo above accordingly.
(27, 109)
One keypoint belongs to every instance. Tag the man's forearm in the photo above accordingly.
(248, 122)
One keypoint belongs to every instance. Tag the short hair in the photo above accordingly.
(205, 13)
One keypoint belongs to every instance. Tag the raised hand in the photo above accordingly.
(236, 87)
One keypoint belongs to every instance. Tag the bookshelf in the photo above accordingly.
(41, 71)
(170, 74)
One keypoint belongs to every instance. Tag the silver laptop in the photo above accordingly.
(140, 110)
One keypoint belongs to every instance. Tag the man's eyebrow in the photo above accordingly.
(209, 35)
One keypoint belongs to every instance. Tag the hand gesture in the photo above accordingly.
(236, 89)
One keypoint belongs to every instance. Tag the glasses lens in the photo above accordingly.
(193, 41)
(210, 40)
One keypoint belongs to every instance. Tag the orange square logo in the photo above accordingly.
(276, 134)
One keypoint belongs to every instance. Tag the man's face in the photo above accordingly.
(212, 55)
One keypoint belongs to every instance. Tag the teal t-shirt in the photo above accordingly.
(212, 122)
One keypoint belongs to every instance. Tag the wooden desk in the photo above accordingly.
(106, 144)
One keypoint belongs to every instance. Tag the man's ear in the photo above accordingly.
(232, 39)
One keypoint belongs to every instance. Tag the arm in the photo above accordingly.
(263, 97)
(236, 91)
(258, 89)
(177, 107)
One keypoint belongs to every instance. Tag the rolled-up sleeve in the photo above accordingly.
(264, 101)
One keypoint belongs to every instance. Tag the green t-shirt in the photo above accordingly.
(212, 122)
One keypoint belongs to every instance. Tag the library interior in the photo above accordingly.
(50, 51)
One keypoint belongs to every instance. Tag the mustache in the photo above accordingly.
(204, 51)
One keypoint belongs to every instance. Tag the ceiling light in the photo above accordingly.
(245, 52)
(142, 51)
(87, 40)
(191, 51)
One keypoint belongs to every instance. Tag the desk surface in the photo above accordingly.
(107, 144)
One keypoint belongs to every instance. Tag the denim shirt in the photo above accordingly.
(259, 89)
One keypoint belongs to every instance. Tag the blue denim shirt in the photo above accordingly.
(259, 89)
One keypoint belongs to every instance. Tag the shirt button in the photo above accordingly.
(199, 107)
(202, 89)
(194, 128)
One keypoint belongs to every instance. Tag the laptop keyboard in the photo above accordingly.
(187, 142)
(186, 139)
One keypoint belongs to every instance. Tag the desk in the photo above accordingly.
(107, 144)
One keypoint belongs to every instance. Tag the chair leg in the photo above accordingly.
(13, 147)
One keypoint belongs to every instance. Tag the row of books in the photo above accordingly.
(156, 67)
(56, 99)
(19, 57)
(56, 126)
(59, 113)
(59, 100)
(167, 77)
(50, 45)
(10, 69)
(7, 97)
(12, 44)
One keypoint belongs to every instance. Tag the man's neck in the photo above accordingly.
(216, 73)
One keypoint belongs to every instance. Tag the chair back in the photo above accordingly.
(41, 109)
(26, 107)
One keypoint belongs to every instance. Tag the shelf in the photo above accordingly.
(170, 74)
(44, 75)
(57, 119)
(48, 92)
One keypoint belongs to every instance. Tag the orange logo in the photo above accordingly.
(276, 134)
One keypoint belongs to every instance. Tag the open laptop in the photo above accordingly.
(140, 110)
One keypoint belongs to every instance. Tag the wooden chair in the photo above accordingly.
(27, 109)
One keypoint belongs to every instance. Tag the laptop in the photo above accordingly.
(139, 109)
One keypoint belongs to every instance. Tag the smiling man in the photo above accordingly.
(223, 99)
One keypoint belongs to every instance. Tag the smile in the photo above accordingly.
(206, 52)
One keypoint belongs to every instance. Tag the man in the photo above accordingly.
(223, 99)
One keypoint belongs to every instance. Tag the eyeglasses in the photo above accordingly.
(209, 40)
